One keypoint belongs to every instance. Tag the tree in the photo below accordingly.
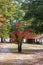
(35, 11)
(7, 8)
(5, 30)
(19, 34)
(9, 11)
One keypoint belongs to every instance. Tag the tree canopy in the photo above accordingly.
(10, 10)
(35, 11)
(16, 15)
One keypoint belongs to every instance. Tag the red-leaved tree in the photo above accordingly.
(19, 34)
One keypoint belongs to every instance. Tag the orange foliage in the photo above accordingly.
(2, 18)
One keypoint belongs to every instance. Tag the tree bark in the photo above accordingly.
(19, 48)
(10, 38)
(1, 39)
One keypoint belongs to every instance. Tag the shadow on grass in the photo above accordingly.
(24, 51)
(27, 51)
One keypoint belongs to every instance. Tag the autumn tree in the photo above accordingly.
(19, 34)
(10, 10)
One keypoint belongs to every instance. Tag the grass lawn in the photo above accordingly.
(24, 46)
(14, 47)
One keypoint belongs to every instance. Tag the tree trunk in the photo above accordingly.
(19, 48)
(1, 39)
(10, 39)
